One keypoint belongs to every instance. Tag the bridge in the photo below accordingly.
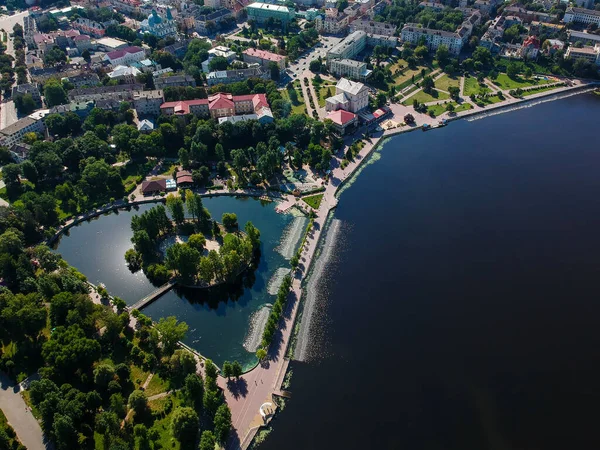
(153, 295)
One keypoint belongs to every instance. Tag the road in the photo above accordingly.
(19, 416)
(8, 113)
(296, 68)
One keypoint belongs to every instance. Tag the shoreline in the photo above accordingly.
(330, 200)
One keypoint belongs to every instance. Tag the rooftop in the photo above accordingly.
(341, 117)
(352, 87)
(591, 12)
(263, 54)
(268, 7)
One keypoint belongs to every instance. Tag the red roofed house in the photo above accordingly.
(184, 178)
(342, 119)
(530, 47)
(218, 105)
(263, 57)
(125, 56)
(152, 187)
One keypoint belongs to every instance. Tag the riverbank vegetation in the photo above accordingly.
(192, 263)
(93, 359)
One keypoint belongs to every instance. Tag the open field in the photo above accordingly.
(503, 81)
(424, 97)
(447, 81)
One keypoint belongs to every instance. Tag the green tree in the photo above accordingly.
(54, 93)
(184, 260)
(454, 92)
(261, 354)
(171, 332)
(175, 206)
(197, 241)
(229, 220)
(512, 70)
(207, 441)
(25, 104)
(428, 84)
(442, 55)
(236, 369)
(184, 425)
(227, 369)
(222, 423)
(138, 402)
(421, 51)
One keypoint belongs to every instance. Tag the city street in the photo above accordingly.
(296, 68)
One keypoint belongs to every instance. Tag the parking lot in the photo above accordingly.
(295, 68)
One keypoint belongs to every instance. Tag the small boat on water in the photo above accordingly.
(426, 127)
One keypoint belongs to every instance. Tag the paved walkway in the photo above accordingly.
(19, 416)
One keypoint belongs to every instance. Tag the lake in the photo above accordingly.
(460, 307)
(218, 325)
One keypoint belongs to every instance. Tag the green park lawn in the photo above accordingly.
(324, 92)
(300, 108)
(156, 386)
(424, 97)
(464, 106)
(447, 81)
(472, 87)
(438, 110)
(314, 201)
(503, 81)
(540, 89)
(404, 75)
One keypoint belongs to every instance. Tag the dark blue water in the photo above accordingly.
(217, 323)
(462, 309)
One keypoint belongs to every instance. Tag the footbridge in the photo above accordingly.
(140, 304)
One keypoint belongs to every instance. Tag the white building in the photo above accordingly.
(413, 33)
(124, 73)
(372, 27)
(592, 54)
(148, 102)
(349, 47)
(350, 68)
(349, 96)
(13, 134)
(581, 15)
(125, 56)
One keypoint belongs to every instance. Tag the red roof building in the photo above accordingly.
(263, 57)
(342, 119)
(218, 105)
(154, 187)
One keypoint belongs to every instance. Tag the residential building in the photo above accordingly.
(342, 120)
(152, 187)
(374, 40)
(84, 79)
(29, 88)
(148, 102)
(158, 26)
(554, 45)
(233, 76)
(145, 126)
(334, 22)
(125, 74)
(88, 26)
(82, 109)
(263, 57)
(126, 6)
(349, 47)
(583, 37)
(261, 12)
(207, 24)
(14, 133)
(29, 30)
(122, 92)
(436, 6)
(218, 106)
(349, 96)
(352, 11)
(413, 33)
(588, 4)
(356, 70)
(592, 54)
(530, 48)
(109, 44)
(581, 15)
(218, 51)
(174, 81)
(178, 48)
(125, 56)
(371, 27)
(82, 42)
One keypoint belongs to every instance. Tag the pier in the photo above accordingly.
(140, 304)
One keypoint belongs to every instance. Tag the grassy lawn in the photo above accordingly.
(156, 386)
(472, 86)
(314, 201)
(138, 376)
(324, 92)
(438, 110)
(447, 81)
(490, 100)
(403, 74)
(541, 89)
(503, 81)
(465, 106)
(170, 169)
(300, 108)
(424, 97)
